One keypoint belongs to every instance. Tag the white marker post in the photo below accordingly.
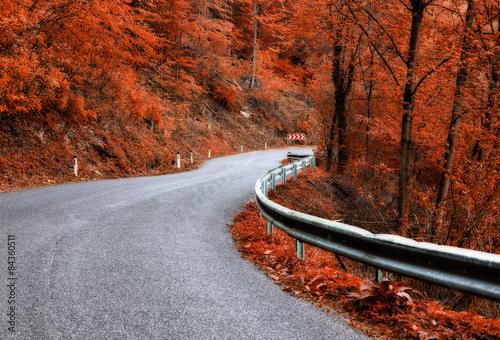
(178, 160)
(192, 160)
(209, 152)
(265, 146)
(76, 166)
(241, 147)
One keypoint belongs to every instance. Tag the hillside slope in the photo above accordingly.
(35, 153)
(125, 85)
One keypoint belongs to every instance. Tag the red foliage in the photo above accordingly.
(318, 278)
(388, 309)
(390, 305)
(123, 84)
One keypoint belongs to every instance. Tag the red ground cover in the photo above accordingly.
(384, 310)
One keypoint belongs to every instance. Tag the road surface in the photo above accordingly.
(145, 258)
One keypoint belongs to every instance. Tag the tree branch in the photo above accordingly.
(374, 46)
(430, 72)
(387, 34)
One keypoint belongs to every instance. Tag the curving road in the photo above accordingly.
(145, 258)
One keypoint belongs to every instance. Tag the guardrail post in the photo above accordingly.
(283, 176)
(304, 167)
(273, 181)
(311, 163)
(269, 227)
(379, 275)
(295, 172)
(264, 189)
(299, 246)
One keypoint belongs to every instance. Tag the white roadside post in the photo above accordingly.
(178, 160)
(75, 167)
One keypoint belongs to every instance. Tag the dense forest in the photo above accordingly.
(125, 85)
(400, 95)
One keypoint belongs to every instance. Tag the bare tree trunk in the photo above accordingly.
(254, 52)
(369, 114)
(369, 96)
(369, 90)
(330, 143)
(341, 113)
(230, 47)
(342, 77)
(418, 7)
(478, 151)
(455, 118)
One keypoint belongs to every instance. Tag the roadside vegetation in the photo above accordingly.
(396, 308)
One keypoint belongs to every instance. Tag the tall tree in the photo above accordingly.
(456, 113)
(410, 59)
(254, 44)
(417, 8)
(343, 64)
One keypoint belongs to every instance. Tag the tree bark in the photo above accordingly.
(417, 10)
(478, 152)
(369, 96)
(342, 77)
(341, 112)
(330, 143)
(254, 51)
(455, 118)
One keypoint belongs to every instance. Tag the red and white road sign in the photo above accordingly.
(296, 136)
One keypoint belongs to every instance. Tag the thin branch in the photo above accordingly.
(428, 3)
(453, 11)
(385, 32)
(431, 72)
(375, 47)
(490, 19)
(408, 8)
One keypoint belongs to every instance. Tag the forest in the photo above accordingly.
(401, 96)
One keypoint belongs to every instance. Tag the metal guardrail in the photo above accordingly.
(465, 270)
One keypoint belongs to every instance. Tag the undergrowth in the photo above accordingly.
(388, 309)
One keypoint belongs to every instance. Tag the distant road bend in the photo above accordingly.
(146, 258)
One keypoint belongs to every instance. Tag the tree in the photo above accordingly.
(456, 113)
(410, 59)
(254, 44)
(417, 8)
(342, 77)
(334, 40)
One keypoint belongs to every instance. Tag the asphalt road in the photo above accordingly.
(145, 258)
